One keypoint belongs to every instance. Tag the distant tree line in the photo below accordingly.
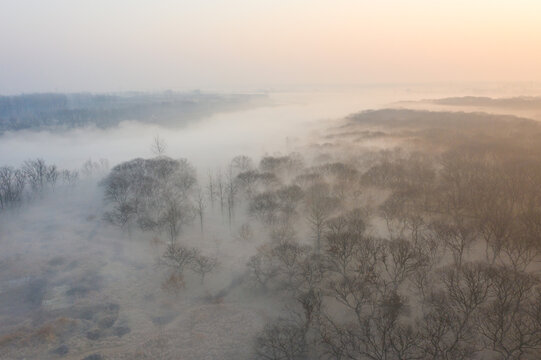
(35, 177)
(66, 111)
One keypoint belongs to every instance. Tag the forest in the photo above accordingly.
(398, 234)
(270, 180)
(56, 111)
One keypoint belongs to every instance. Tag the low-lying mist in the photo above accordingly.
(284, 122)
(308, 229)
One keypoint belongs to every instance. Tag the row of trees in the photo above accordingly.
(31, 179)
(66, 111)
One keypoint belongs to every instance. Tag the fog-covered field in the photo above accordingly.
(339, 224)
(285, 120)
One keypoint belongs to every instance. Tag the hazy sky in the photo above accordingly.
(109, 45)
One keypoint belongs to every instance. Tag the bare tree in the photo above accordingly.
(221, 190)
(51, 175)
(178, 257)
(200, 206)
(520, 251)
(449, 328)
(510, 322)
(174, 217)
(248, 182)
(70, 177)
(211, 190)
(202, 265)
(124, 204)
(289, 256)
(12, 183)
(402, 260)
(231, 191)
(241, 163)
(495, 225)
(264, 207)
(158, 146)
(320, 207)
(458, 236)
(37, 173)
(263, 267)
(376, 331)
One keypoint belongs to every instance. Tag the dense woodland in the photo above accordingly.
(399, 235)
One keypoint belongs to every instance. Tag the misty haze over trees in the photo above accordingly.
(522, 102)
(65, 111)
(354, 180)
(396, 234)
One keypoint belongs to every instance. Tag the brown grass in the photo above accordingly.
(13, 337)
(48, 333)
(173, 284)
